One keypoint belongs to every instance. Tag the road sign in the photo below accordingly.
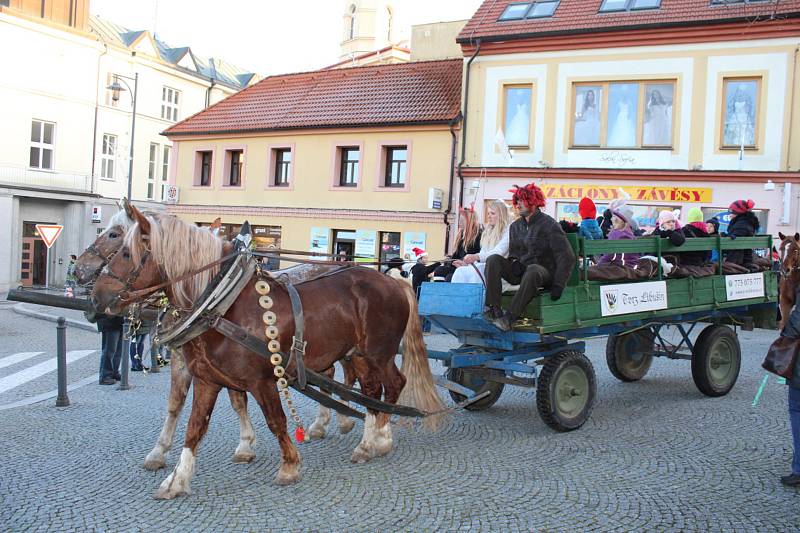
(49, 233)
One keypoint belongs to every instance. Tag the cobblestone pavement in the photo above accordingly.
(655, 456)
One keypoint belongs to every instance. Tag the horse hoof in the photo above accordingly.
(360, 456)
(347, 426)
(167, 494)
(241, 458)
(316, 432)
(154, 462)
(283, 479)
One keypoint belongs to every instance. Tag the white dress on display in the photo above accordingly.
(518, 128)
(623, 132)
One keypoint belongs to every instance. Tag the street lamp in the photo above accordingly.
(115, 89)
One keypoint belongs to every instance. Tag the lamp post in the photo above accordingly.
(116, 88)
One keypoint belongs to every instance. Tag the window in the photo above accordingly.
(523, 10)
(203, 168)
(4, 3)
(42, 144)
(740, 112)
(234, 160)
(164, 169)
(628, 5)
(350, 24)
(169, 103)
(108, 156)
(283, 167)
(152, 170)
(517, 115)
(348, 167)
(390, 245)
(623, 114)
(396, 161)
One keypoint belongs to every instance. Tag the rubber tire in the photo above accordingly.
(617, 349)
(708, 339)
(458, 375)
(546, 396)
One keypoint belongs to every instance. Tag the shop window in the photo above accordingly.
(390, 245)
(625, 114)
(42, 144)
(517, 103)
(740, 113)
(204, 161)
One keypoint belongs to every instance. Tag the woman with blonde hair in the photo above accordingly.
(494, 241)
(468, 241)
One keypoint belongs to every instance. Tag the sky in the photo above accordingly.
(265, 36)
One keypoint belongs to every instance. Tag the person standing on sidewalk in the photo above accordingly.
(110, 328)
(792, 330)
(71, 280)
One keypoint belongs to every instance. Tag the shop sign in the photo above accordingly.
(744, 286)
(97, 214)
(633, 298)
(366, 242)
(412, 240)
(319, 241)
(638, 193)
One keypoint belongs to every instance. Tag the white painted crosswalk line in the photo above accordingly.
(17, 358)
(29, 374)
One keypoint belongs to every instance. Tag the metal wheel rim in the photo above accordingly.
(721, 361)
(632, 356)
(571, 391)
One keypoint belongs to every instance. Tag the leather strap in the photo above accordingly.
(298, 349)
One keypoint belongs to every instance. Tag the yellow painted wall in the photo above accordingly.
(313, 160)
(699, 53)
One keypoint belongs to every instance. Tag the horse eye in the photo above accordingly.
(126, 255)
(113, 235)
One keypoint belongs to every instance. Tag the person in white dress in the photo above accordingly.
(623, 131)
(494, 241)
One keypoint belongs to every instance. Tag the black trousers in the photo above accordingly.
(530, 280)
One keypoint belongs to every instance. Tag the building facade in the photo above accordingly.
(356, 161)
(679, 104)
(65, 155)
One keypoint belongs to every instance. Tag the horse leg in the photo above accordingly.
(247, 436)
(346, 423)
(393, 383)
(266, 394)
(177, 483)
(319, 427)
(180, 381)
(371, 386)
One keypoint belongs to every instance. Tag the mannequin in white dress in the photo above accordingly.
(587, 121)
(518, 128)
(623, 130)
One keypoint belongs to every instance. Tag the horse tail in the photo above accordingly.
(420, 390)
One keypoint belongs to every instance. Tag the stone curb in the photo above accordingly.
(21, 309)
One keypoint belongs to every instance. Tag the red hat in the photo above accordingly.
(419, 252)
(741, 206)
(587, 209)
(530, 195)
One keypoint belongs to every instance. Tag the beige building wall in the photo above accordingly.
(436, 40)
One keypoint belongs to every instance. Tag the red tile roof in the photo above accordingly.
(582, 16)
(427, 92)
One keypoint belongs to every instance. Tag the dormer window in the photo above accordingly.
(529, 10)
(610, 6)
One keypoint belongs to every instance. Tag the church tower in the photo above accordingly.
(367, 26)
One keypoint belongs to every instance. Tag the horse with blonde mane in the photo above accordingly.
(356, 313)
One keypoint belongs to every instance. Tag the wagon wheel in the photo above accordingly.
(630, 355)
(716, 360)
(566, 390)
(477, 384)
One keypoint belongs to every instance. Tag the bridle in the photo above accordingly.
(130, 279)
(787, 271)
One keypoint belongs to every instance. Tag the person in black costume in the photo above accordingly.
(468, 241)
(743, 224)
(422, 270)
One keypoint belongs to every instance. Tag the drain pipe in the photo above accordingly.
(449, 210)
(208, 91)
(464, 125)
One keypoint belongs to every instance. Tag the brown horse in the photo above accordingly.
(357, 313)
(790, 275)
(88, 267)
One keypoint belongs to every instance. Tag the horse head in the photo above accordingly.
(98, 254)
(131, 269)
(790, 254)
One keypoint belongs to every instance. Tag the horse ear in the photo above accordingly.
(126, 205)
(139, 218)
(216, 224)
(781, 236)
(797, 237)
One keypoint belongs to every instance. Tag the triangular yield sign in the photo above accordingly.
(49, 233)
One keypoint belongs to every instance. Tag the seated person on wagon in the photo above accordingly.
(743, 224)
(695, 264)
(620, 266)
(468, 241)
(539, 255)
(494, 241)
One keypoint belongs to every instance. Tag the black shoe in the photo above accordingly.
(792, 480)
(504, 323)
(117, 376)
(136, 368)
(491, 313)
(107, 381)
